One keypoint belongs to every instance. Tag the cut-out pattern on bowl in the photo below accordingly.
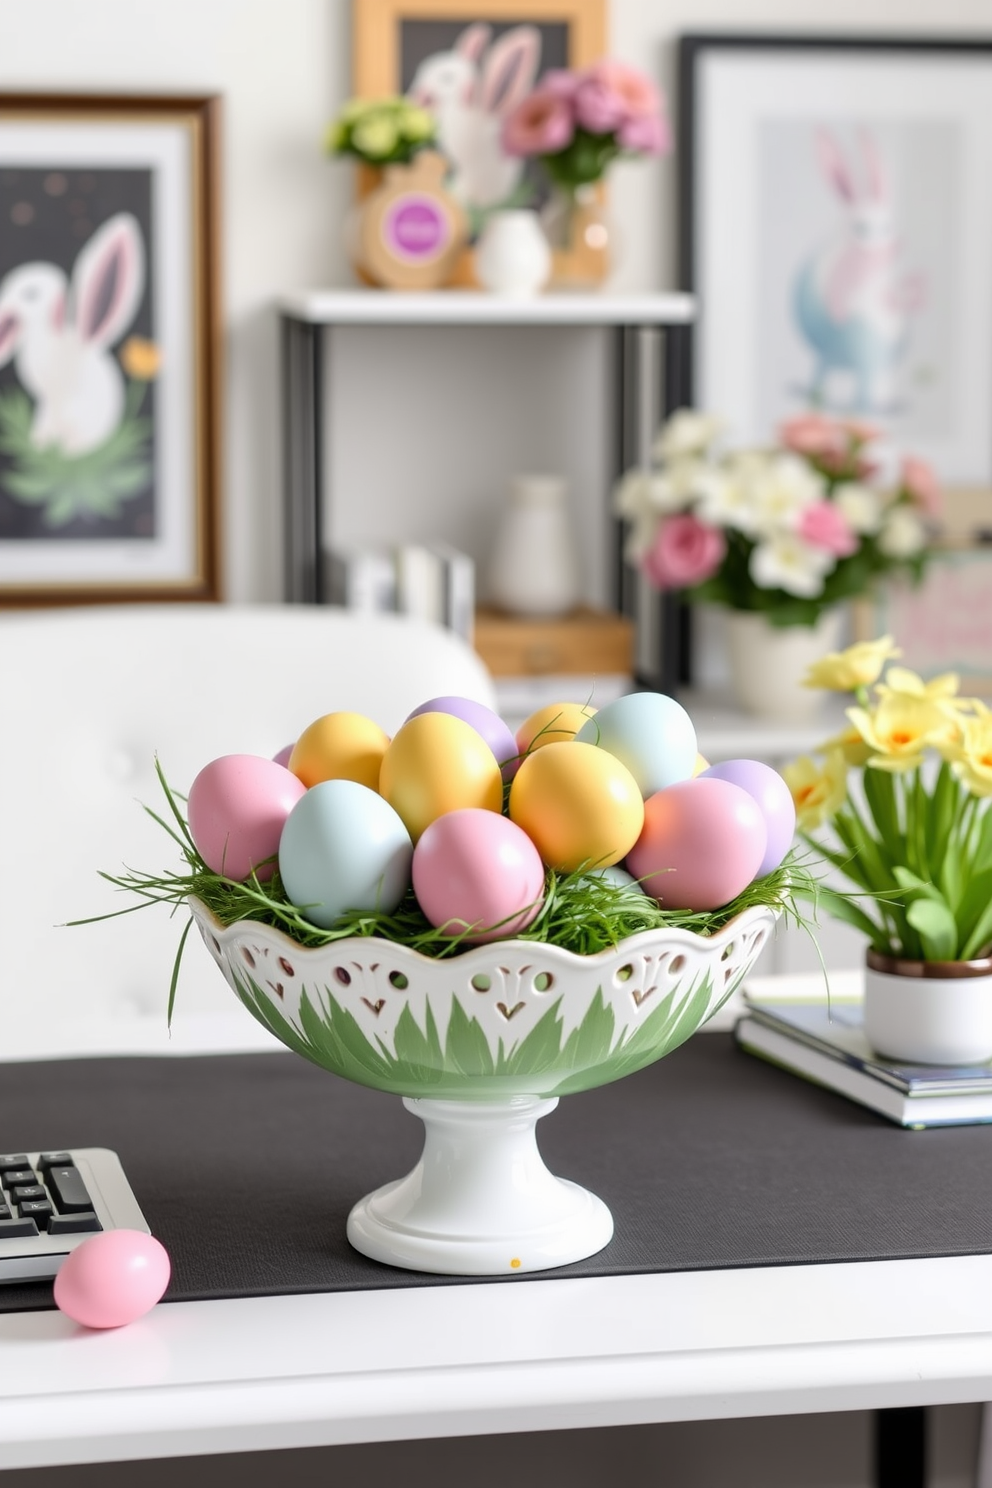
(504, 1019)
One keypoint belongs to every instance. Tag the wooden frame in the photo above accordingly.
(379, 66)
(836, 221)
(945, 625)
(110, 474)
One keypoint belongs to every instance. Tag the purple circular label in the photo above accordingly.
(415, 228)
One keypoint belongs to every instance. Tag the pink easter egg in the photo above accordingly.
(774, 801)
(702, 843)
(475, 868)
(237, 808)
(112, 1278)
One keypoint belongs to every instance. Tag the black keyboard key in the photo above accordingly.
(73, 1224)
(18, 1176)
(35, 1209)
(69, 1190)
(18, 1229)
(13, 1160)
(5, 1211)
(54, 1160)
(27, 1191)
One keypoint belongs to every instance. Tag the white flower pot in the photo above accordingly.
(929, 1012)
(768, 663)
(513, 257)
(534, 568)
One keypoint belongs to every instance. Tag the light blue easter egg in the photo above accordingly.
(617, 876)
(344, 848)
(648, 732)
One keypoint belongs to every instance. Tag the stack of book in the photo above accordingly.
(432, 581)
(827, 1044)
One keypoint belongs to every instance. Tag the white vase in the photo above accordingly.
(513, 257)
(768, 663)
(535, 566)
(929, 1012)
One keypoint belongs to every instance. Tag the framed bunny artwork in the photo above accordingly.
(109, 318)
(836, 224)
(470, 62)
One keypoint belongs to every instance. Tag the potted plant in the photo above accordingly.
(576, 122)
(778, 537)
(898, 803)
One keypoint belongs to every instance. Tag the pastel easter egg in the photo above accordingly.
(650, 733)
(774, 801)
(618, 877)
(474, 870)
(552, 725)
(578, 804)
(340, 746)
(284, 755)
(702, 763)
(702, 844)
(344, 848)
(236, 811)
(438, 763)
(496, 733)
(112, 1279)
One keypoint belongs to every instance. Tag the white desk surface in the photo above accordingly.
(455, 1360)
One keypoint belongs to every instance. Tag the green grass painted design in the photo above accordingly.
(463, 1066)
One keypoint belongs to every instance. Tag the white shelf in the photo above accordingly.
(469, 307)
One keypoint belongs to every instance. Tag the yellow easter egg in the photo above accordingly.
(340, 746)
(552, 725)
(578, 804)
(438, 763)
(701, 764)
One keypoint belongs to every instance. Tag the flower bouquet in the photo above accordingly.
(380, 131)
(899, 804)
(444, 915)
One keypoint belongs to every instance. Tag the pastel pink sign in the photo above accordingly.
(415, 228)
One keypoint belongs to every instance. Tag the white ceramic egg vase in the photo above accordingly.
(480, 1046)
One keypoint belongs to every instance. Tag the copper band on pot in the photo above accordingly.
(934, 970)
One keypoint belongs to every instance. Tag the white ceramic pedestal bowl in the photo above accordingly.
(480, 1046)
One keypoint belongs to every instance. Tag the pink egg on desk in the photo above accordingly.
(112, 1279)
(473, 869)
(237, 808)
(702, 843)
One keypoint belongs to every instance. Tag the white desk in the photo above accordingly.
(462, 1360)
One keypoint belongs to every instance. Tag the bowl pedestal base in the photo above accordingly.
(480, 1202)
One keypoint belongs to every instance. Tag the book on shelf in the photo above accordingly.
(432, 581)
(827, 1045)
(361, 578)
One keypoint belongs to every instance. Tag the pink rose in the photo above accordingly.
(815, 436)
(648, 136)
(610, 94)
(685, 552)
(541, 125)
(919, 481)
(559, 82)
(823, 525)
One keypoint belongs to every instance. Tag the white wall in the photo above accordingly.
(282, 67)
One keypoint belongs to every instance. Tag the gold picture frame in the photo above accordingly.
(109, 205)
(388, 36)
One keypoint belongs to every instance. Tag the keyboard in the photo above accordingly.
(50, 1202)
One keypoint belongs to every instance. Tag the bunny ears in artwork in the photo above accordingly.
(476, 74)
(838, 172)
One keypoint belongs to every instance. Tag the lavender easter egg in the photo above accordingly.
(476, 871)
(112, 1278)
(237, 809)
(774, 801)
(702, 843)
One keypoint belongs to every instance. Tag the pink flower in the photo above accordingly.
(685, 552)
(541, 125)
(559, 82)
(610, 94)
(823, 525)
(648, 136)
(919, 481)
(813, 435)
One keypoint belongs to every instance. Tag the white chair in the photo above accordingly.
(89, 697)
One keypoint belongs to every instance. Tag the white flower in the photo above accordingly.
(779, 489)
(859, 505)
(685, 433)
(903, 534)
(723, 499)
(784, 561)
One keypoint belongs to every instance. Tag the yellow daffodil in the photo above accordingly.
(940, 690)
(973, 755)
(901, 728)
(851, 745)
(859, 666)
(141, 359)
(818, 787)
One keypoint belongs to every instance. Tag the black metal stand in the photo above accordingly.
(901, 1448)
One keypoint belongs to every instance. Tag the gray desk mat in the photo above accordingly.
(246, 1167)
